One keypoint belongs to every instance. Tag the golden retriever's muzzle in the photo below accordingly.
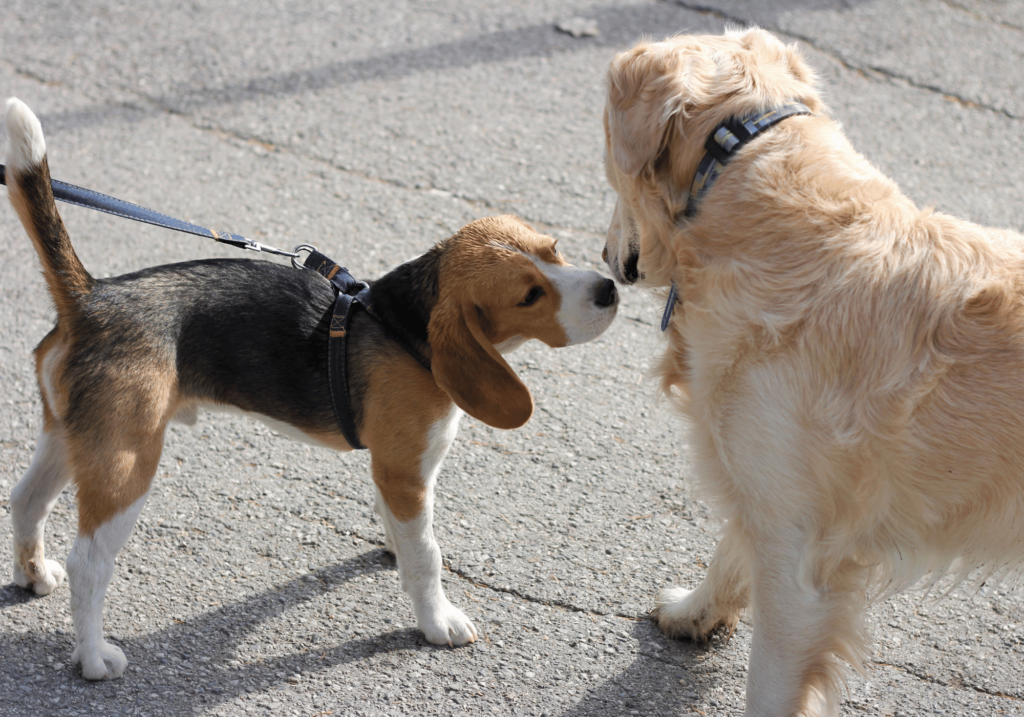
(622, 248)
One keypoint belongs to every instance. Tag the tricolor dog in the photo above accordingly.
(131, 353)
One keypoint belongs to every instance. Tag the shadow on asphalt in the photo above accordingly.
(663, 680)
(621, 27)
(212, 635)
(659, 682)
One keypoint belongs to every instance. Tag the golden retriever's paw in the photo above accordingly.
(41, 576)
(100, 661)
(682, 613)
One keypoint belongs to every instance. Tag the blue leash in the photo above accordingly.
(119, 208)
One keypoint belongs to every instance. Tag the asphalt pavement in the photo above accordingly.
(256, 581)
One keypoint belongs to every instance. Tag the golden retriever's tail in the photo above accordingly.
(28, 187)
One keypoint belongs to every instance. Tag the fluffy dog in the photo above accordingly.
(130, 353)
(852, 365)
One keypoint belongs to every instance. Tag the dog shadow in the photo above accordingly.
(212, 636)
(669, 677)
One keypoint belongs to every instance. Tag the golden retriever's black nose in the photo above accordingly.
(606, 294)
(630, 269)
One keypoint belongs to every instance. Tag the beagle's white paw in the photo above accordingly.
(100, 662)
(41, 578)
(447, 625)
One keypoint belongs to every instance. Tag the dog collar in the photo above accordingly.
(726, 141)
(349, 294)
(720, 147)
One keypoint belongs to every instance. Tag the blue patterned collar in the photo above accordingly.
(719, 148)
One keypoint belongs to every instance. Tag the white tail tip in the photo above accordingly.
(25, 144)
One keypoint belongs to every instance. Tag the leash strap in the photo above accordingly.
(349, 294)
(126, 210)
(720, 147)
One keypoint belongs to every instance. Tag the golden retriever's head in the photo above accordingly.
(664, 100)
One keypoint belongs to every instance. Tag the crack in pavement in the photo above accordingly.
(147, 105)
(852, 65)
(567, 606)
(981, 16)
(925, 677)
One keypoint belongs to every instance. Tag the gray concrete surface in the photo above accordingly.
(255, 582)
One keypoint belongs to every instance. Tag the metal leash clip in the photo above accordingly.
(243, 243)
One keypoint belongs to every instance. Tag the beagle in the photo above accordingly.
(131, 353)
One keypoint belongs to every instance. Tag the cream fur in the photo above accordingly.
(851, 363)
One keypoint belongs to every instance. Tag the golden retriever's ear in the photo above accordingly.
(647, 87)
(635, 123)
(471, 371)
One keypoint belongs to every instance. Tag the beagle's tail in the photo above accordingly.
(28, 186)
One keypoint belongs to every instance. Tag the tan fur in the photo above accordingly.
(118, 437)
(395, 431)
(483, 279)
(45, 347)
(851, 364)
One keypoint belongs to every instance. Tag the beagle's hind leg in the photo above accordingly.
(114, 462)
(111, 494)
(31, 502)
(90, 569)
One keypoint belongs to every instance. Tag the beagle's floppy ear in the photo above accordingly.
(647, 87)
(471, 371)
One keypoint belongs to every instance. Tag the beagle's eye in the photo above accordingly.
(531, 298)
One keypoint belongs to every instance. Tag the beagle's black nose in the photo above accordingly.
(606, 294)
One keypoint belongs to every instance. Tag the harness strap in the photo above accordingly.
(350, 293)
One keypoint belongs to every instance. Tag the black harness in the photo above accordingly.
(350, 294)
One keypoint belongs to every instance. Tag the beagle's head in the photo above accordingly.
(500, 285)
(664, 100)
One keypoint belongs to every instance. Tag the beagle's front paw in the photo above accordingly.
(100, 662)
(447, 625)
(42, 577)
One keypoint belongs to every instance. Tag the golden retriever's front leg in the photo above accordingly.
(803, 622)
(719, 598)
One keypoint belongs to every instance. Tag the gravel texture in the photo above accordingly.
(256, 582)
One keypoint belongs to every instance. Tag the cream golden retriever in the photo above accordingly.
(853, 366)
